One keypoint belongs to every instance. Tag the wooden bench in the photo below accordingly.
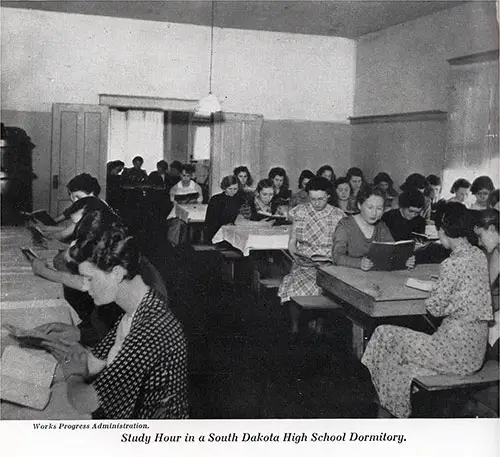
(485, 377)
(458, 386)
(262, 285)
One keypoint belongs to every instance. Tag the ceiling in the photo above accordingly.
(348, 19)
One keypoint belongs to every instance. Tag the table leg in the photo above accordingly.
(358, 340)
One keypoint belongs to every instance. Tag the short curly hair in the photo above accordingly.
(481, 182)
(456, 221)
(86, 183)
(108, 243)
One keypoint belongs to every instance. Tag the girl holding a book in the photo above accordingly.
(354, 234)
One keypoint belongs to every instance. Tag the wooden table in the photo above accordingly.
(370, 296)
(18, 283)
(27, 301)
(248, 238)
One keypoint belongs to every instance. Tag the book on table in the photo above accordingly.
(40, 216)
(388, 256)
(26, 377)
(313, 261)
(424, 238)
(420, 284)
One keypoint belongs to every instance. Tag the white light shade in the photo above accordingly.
(207, 105)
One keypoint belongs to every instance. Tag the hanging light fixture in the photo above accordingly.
(209, 104)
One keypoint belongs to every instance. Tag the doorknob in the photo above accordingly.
(55, 182)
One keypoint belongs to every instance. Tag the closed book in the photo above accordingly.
(419, 284)
(26, 377)
(389, 256)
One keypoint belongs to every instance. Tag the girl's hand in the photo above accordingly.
(60, 331)
(410, 263)
(72, 357)
(366, 264)
(39, 266)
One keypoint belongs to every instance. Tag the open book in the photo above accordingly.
(29, 254)
(423, 238)
(32, 338)
(40, 216)
(390, 255)
(183, 199)
(26, 377)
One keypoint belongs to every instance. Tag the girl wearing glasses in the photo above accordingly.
(310, 243)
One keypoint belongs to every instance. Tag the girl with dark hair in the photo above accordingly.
(245, 179)
(494, 199)
(326, 171)
(343, 191)
(83, 191)
(487, 229)
(311, 235)
(139, 370)
(282, 192)
(407, 219)
(356, 180)
(461, 190)
(186, 190)
(396, 355)
(354, 234)
(385, 183)
(481, 189)
(223, 208)
(258, 210)
(302, 196)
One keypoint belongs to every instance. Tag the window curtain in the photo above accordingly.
(136, 133)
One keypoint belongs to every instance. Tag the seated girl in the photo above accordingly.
(311, 235)
(244, 177)
(354, 234)
(386, 184)
(487, 229)
(83, 190)
(460, 189)
(186, 190)
(282, 193)
(343, 191)
(95, 323)
(139, 370)
(258, 210)
(302, 196)
(223, 208)
(494, 199)
(356, 180)
(481, 188)
(395, 355)
(407, 219)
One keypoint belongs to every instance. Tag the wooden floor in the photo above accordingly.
(242, 363)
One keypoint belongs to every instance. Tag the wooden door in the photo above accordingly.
(236, 140)
(79, 144)
(472, 140)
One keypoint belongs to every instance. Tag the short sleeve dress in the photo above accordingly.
(395, 355)
(314, 233)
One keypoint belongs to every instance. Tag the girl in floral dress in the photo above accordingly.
(395, 355)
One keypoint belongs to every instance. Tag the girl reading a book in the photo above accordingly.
(186, 190)
(311, 237)
(354, 234)
(395, 355)
(257, 210)
(139, 370)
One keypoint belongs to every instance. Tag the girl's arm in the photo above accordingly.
(340, 254)
(200, 193)
(77, 282)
